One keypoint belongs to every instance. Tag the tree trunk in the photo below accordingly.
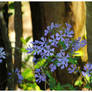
(38, 26)
(3, 69)
(37, 20)
(18, 32)
(79, 25)
(8, 50)
(89, 30)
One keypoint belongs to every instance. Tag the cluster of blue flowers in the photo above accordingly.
(58, 45)
(87, 70)
(19, 76)
(2, 54)
(73, 68)
(40, 76)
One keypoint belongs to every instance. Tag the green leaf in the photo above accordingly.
(59, 87)
(23, 40)
(28, 38)
(72, 60)
(49, 58)
(40, 63)
(88, 86)
(78, 83)
(23, 50)
(11, 5)
(52, 81)
(68, 86)
(47, 61)
(62, 43)
(48, 74)
(87, 78)
(27, 58)
(45, 64)
(28, 74)
(30, 86)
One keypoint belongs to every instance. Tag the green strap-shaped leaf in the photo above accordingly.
(40, 63)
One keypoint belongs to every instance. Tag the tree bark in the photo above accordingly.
(18, 32)
(79, 25)
(37, 20)
(8, 49)
(89, 30)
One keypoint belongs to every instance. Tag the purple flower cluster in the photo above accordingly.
(41, 48)
(20, 78)
(9, 75)
(39, 75)
(50, 28)
(52, 67)
(2, 54)
(78, 44)
(58, 45)
(72, 68)
(68, 31)
(62, 59)
(87, 70)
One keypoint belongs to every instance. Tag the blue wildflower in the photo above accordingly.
(68, 33)
(52, 25)
(2, 54)
(61, 32)
(9, 75)
(72, 68)
(29, 50)
(53, 42)
(67, 43)
(52, 67)
(39, 76)
(34, 59)
(83, 43)
(47, 51)
(60, 54)
(84, 73)
(52, 36)
(46, 32)
(87, 70)
(68, 26)
(43, 39)
(20, 78)
(48, 28)
(63, 61)
(57, 36)
(0, 60)
(60, 36)
(57, 25)
(76, 44)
